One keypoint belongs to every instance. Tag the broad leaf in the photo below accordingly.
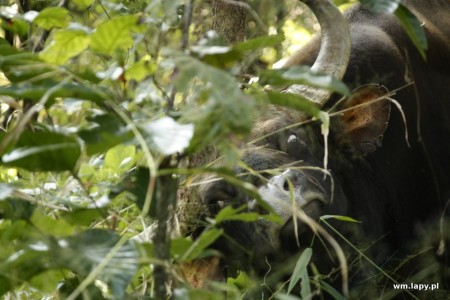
(65, 45)
(6, 48)
(229, 213)
(259, 43)
(21, 66)
(303, 75)
(206, 238)
(44, 151)
(53, 90)
(53, 17)
(413, 28)
(167, 136)
(120, 158)
(83, 252)
(114, 34)
(295, 101)
(106, 131)
(83, 4)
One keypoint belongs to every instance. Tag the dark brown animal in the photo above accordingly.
(394, 185)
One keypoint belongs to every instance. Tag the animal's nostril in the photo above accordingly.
(286, 185)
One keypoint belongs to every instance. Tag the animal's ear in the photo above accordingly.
(365, 124)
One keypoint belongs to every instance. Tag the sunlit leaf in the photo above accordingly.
(65, 45)
(114, 34)
(82, 4)
(167, 136)
(120, 157)
(53, 17)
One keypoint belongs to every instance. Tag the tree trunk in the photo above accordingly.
(229, 20)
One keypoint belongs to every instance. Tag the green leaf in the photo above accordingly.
(37, 91)
(18, 26)
(135, 183)
(218, 56)
(107, 131)
(83, 216)
(50, 226)
(305, 284)
(141, 70)
(6, 48)
(21, 66)
(179, 246)
(83, 252)
(413, 28)
(65, 45)
(15, 209)
(300, 268)
(381, 6)
(303, 75)
(331, 291)
(44, 151)
(206, 238)
(223, 110)
(340, 218)
(259, 43)
(47, 280)
(83, 4)
(229, 213)
(281, 296)
(114, 34)
(120, 158)
(295, 101)
(53, 17)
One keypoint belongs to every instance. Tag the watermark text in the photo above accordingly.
(417, 286)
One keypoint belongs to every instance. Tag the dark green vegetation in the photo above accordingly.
(101, 105)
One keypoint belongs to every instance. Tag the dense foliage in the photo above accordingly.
(101, 101)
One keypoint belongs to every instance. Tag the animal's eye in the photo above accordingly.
(219, 195)
(261, 179)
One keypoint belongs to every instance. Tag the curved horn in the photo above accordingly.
(334, 51)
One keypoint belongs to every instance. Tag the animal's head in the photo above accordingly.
(288, 170)
(291, 179)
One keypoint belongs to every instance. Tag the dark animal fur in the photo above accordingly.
(394, 190)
